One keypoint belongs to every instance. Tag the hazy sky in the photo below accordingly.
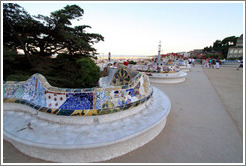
(136, 28)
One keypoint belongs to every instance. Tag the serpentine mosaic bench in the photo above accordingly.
(129, 90)
(83, 125)
(155, 68)
(162, 74)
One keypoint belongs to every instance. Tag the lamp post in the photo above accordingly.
(159, 53)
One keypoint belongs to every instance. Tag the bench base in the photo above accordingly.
(61, 142)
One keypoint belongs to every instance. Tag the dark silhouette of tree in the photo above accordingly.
(42, 36)
(47, 35)
(222, 46)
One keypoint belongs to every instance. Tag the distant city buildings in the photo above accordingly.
(185, 54)
(237, 50)
(172, 56)
(197, 53)
(200, 53)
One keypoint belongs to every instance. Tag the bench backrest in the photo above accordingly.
(130, 89)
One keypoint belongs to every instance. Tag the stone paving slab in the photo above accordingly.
(228, 83)
(198, 129)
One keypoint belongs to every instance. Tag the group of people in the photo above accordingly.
(191, 61)
(215, 63)
(241, 64)
(126, 62)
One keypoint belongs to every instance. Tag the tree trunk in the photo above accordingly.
(27, 55)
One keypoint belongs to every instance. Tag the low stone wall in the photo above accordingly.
(129, 89)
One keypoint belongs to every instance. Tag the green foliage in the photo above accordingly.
(232, 58)
(213, 56)
(208, 49)
(229, 41)
(9, 61)
(132, 62)
(222, 46)
(18, 77)
(72, 73)
(65, 71)
(89, 72)
(42, 36)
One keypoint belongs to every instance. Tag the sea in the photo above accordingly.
(126, 56)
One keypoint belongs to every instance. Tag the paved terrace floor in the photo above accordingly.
(200, 127)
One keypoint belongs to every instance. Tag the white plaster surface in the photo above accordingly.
(88, 120)
(18, 107)
(62, 142)
(105, 81)
(184, 68)
(168, 77)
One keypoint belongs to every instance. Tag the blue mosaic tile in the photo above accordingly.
(124, 87)
(130, 92)
(12, 91)
(98, 101)
(104, 96)
(78, 101)
(19, 91)
(121, 102)
(65, 112)
(77, 90)
(40, 95)
(37, 107)
(29, 88)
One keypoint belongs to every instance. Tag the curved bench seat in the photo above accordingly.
(185, 68)
(168, 77)
(98, 141)
(173, 75)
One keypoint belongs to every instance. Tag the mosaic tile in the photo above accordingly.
(77, 90)
(127, 106)
(91, 112)
(65, 112)
(52, 110)
(43, 109)
(78, 101)
(78, 113)
(54, 99)
(40, 97)
(123, 76)
(98, 100)
(37, 107)
(29, 88)
(105, 96)
(130, 92)
(105, 111)
(19, 91)
(117, 109)
(9, 91)
(108, 104)
(143, 100)
(81, 102)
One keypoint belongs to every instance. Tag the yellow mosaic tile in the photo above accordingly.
(78, 113)
(91, 112)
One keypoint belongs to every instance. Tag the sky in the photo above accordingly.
(135, 28)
